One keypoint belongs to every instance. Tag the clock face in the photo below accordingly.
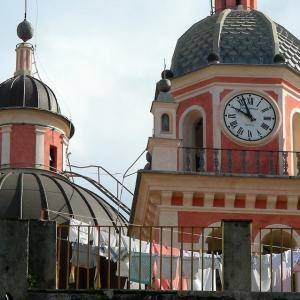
(249, 117)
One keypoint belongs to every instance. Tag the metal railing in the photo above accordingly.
(158, 258)
(231, 161)
(275, 261)
(170, 258)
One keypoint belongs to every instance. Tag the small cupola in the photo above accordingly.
(234, 4)
(33, 132)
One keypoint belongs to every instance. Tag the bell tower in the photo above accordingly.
(226, 127)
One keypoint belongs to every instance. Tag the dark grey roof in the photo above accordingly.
(236, 37)
(27, 91)
(25, 192)
(289, 46)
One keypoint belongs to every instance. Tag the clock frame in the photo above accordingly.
(250, 118)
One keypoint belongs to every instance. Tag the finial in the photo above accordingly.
(213, 58)
(279, 59)
(164, 85)
(25, 29)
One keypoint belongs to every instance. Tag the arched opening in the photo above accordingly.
(214, 240)
(295, 141)
(165, 123)
(238, 2)
(277, 241)
(193, 140)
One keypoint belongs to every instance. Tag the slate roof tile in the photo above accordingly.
(246, 38)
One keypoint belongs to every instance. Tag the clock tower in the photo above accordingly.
(226, 139)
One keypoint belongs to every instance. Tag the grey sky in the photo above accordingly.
(103, 58)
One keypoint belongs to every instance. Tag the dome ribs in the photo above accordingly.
(44, 201)
(27, 91)
(237, 37)
(66, 203)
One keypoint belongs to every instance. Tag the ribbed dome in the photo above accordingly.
(236, 37)
(27, 91)
(25, 192)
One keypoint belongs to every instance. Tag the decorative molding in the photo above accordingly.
(188, 198)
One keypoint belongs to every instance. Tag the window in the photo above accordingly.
(165, 123)
(53, 158)
(238, 2)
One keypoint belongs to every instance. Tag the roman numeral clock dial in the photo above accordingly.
(249, 117)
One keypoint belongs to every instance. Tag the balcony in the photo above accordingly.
(239, 162)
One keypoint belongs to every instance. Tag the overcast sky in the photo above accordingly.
(103, 58)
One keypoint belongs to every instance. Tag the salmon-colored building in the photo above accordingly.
(226, 138)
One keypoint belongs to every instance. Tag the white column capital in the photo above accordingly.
(188, 198)
(250, 201)
(6, 129)
(229, 200)
(271, 202)
(40, 130)
(292, 202)
(209, 199)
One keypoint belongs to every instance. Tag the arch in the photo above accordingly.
(276, 238)
(212, 238)
(295, 138)
(165, 123)
(192, 132)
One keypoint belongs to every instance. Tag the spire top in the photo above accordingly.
(25, 14)
(25, 29)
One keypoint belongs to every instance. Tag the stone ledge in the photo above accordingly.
(153, 295)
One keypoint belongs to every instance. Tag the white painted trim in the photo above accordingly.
(39, 147)
(216, 91)
(277, 226)
(35, 117)
(190, 109)
(186, 112)
(201, 209)
(293, 112)
(5, 151)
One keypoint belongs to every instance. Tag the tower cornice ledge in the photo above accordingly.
(255, 190)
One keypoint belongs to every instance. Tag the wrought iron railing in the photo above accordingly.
(276, 260)
(170, 258)
(231, 161)
(158, 258)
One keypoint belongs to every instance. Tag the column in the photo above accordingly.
(65, 144)
(39, 147)
(5, 150)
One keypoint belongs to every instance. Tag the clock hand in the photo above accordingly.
(241, 111)
(244, 113)
(249, 115)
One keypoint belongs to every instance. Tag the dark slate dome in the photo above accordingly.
(236, 37)
(25, 192)
(27, 91)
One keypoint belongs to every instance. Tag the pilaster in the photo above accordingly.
(5, 151)
(40, 147)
